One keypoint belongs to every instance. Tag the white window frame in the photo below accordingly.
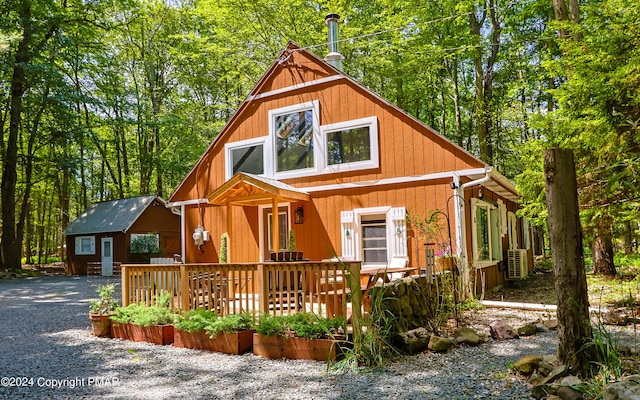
(78, 246)
(229, 147)
(314, 106)
(491, 225)
(513, 230)
(373, 162)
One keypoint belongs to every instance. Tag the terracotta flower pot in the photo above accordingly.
(294, 348)
(100, 324)
(228, 343)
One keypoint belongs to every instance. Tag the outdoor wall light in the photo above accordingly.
(398, 230)
(347, 233)
(298, 215)
(480, 194)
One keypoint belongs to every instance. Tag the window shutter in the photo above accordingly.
(347, 221)
(399, 233)
(78, 247)
(502, 208)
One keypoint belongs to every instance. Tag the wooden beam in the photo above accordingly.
(229, 230)
(275, 229)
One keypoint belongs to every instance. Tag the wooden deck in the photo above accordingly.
(277, 288)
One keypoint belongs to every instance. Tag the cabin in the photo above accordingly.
(110, 233)
(314, 157)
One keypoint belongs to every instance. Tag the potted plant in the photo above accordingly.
(204, 330)
(293, 249)
(102, 309)
(143, 323)
(298, 336)
(444, 260)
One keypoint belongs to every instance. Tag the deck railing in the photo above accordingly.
(278, 288)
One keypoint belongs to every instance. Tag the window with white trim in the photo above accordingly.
(245, 156)
(294, 130)
(350, 145)
(85, 245)
(487, 246)
(374, 240)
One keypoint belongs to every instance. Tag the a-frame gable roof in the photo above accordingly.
(110, 216)
(265, 87)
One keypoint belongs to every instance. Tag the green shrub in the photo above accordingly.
(106, 304)
(304, 325)
(195, 320)
(230, 323)
(158, 314)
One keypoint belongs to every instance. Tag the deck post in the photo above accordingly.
(356, 299)
(124, 278)
(185, 304)
(263, 289)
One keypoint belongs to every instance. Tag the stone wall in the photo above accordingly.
(412, 302)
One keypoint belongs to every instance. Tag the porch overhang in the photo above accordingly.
(250, 190)
(497, 183)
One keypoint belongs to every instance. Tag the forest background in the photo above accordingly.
(104, 99)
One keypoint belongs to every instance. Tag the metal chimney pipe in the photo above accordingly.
(334, 57)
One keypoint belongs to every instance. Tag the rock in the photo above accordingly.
(552, 359)
(619, 318)
(543, 391)
(627, 389)
(557, 373)
(413, 341)
(571, 380)
(467, 336)
(534, 379)
(624, 351)
(545, 367)
(568, 393)
(500, 330)
(440, 344)
(527, 330)
(540, 327)
(527, 364)
(551, 323)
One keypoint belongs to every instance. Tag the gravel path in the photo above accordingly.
(45, 337)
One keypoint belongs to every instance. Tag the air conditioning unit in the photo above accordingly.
(517, 267)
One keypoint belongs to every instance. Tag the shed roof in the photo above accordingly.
(111, 216)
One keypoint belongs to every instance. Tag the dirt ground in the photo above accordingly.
(538, 288)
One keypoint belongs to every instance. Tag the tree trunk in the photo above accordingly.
(603, 247)
(10, 245)
(565, 237)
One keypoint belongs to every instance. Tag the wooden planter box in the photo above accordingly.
(228, 343)
(156, 334)
(121, 331)
(294, 348)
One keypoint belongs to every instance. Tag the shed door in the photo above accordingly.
(107, 256)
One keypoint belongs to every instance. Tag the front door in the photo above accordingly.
(107, 256)
(283, 225)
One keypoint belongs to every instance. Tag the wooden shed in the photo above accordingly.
(109, 233)
(344, 170)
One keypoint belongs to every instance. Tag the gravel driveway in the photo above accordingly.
(46, 347)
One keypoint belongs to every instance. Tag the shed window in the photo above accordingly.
(85, 245)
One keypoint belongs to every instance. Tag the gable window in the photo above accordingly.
(294, 130)
(351, 145)
(245, 156)
(85, 245)
(487, 249)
